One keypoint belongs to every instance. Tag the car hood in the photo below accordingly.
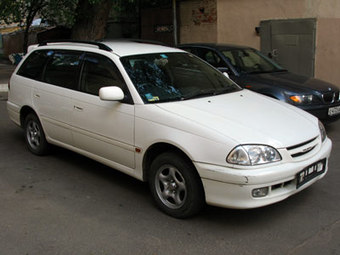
(247, 118)
(291, 81)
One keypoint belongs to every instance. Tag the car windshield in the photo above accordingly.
(168, 77)
(250, 61)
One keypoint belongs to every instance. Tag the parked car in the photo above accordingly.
(252, 70)
(166, 117)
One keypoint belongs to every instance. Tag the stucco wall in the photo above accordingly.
(236, 21)
(198, 21)
(245, 15)
(327, 57)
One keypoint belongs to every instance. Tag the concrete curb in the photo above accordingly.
(3, 87)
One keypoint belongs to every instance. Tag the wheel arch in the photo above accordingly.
(24, 111)
(158, 148)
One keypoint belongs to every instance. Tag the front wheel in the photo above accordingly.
(34, 135)
(176, 186)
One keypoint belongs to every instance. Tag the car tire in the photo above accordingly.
(176, 186)
(35, 136)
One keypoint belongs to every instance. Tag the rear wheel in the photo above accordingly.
(34, 135)
(176, 186)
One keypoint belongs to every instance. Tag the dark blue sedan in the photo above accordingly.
(252, 70)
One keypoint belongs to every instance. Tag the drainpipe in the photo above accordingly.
(174, 10)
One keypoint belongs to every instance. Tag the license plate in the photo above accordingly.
(310, 172)
(334, 111)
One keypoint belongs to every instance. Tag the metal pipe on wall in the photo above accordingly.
(174, 10)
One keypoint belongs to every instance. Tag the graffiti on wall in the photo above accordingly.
(205, 12)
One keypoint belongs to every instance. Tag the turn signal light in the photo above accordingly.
(296, 99)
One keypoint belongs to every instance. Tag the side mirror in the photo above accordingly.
(224, 70)
(226, 74)
(111, 93)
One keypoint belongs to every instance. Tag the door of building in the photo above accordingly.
(291, 43)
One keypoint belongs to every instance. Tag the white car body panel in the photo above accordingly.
(253, 118)
(104, 128)
(205, 130)
(54, 105)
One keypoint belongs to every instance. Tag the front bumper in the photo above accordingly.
(13, 112)
(322, 111)
(232, 188)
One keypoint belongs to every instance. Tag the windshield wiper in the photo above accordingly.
(171, 99)
(226, 90)
(269, 71)
(201, 93)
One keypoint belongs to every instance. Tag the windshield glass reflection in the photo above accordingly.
(168, 77)
(251, 61)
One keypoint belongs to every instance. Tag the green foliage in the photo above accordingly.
(24, 11)
(60, 12)
(10, 11)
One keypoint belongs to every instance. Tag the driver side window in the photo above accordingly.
(99, 71)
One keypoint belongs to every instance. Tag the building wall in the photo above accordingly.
(13, 42)
(156, 24)
(198, 21)
(245, 15)
(236, 21)
(327, 57)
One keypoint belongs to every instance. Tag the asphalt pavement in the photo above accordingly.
(64, 203)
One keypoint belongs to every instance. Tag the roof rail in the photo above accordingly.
(100, 45)
(149, 42)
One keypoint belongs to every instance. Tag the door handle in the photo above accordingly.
(78, 108)
(37, 95)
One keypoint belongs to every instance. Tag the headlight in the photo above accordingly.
(301, 99)
(322, 131)
(250, 155)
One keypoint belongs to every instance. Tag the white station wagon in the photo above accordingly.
(166, 117)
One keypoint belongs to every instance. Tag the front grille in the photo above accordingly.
(304, 148)
(330, 97)
(281, 185)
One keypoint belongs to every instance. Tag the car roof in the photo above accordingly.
(218, 46)
(118, 47)
(125, 48)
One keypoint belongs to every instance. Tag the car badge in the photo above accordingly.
(308, 149)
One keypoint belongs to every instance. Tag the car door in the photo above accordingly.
(103, 129)
(51, 95)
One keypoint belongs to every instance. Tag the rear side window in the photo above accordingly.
(62, 69)
(34, 65)
(210, 56)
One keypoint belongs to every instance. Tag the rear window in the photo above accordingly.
(34, 65)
